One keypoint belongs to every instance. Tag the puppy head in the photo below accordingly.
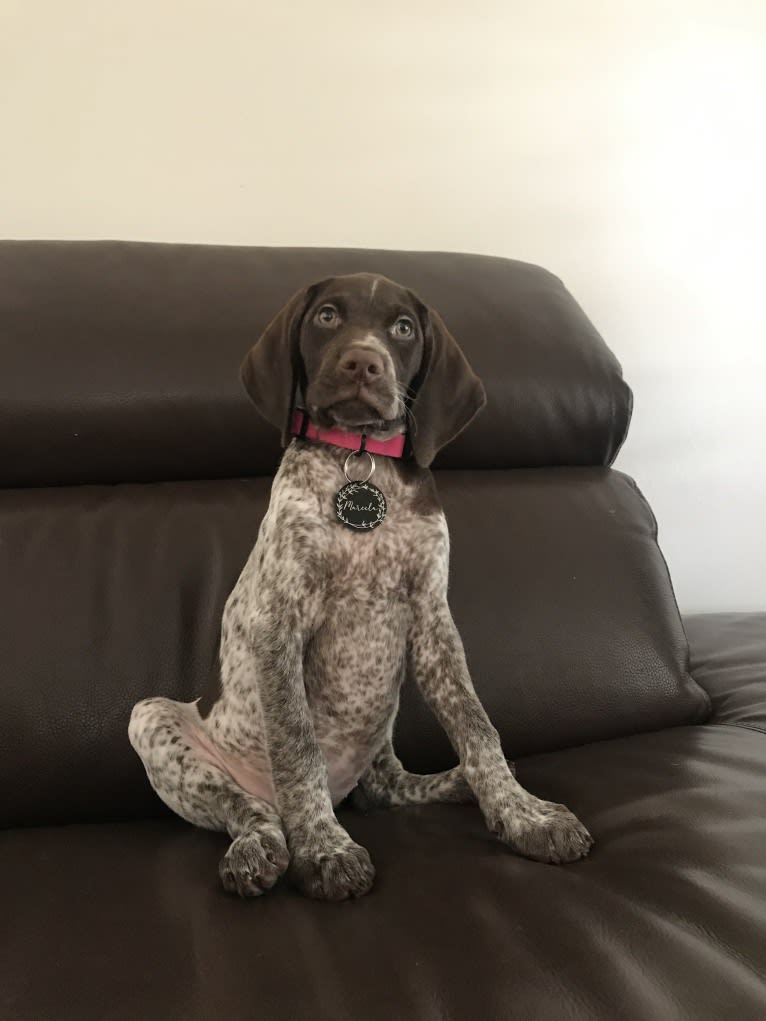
(363, 353)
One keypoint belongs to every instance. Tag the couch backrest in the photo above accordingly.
(134, 475)
(119, 361)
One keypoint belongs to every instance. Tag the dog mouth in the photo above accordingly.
(355, 413)
(357, 410)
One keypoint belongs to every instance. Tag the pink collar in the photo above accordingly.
(305, 428)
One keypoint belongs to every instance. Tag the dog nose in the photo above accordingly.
(362, 364)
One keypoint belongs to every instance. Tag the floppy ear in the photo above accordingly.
(448, 394)
(271, 371)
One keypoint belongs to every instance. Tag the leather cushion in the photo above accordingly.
(665, 920)
(729, 662)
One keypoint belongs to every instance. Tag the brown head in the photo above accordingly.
(363, 353)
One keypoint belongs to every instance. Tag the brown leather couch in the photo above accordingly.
(133, 474)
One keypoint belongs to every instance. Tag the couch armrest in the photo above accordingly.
(728, 660)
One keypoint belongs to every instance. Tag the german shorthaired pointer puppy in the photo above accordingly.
(344, 591)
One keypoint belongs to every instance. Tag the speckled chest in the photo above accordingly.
(352, 589)
(370, 567)
(346, 595)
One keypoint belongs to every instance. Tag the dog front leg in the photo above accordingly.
(534, 828)
(324, 860)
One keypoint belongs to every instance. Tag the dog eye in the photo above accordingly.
(327, 315)
(404, 327)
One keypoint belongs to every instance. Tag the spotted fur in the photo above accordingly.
(317, 635)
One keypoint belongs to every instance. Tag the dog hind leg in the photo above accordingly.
(162, 733)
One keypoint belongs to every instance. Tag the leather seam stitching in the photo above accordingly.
(741, 726)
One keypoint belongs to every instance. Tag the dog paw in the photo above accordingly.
(254, 862)
(545, 832)
(333, 875)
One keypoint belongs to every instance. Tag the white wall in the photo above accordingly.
(619, 144)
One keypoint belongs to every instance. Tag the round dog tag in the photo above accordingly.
(360, 505)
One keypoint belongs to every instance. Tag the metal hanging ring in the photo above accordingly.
(358, 453)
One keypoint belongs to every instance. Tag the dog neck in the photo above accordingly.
(306, 429)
